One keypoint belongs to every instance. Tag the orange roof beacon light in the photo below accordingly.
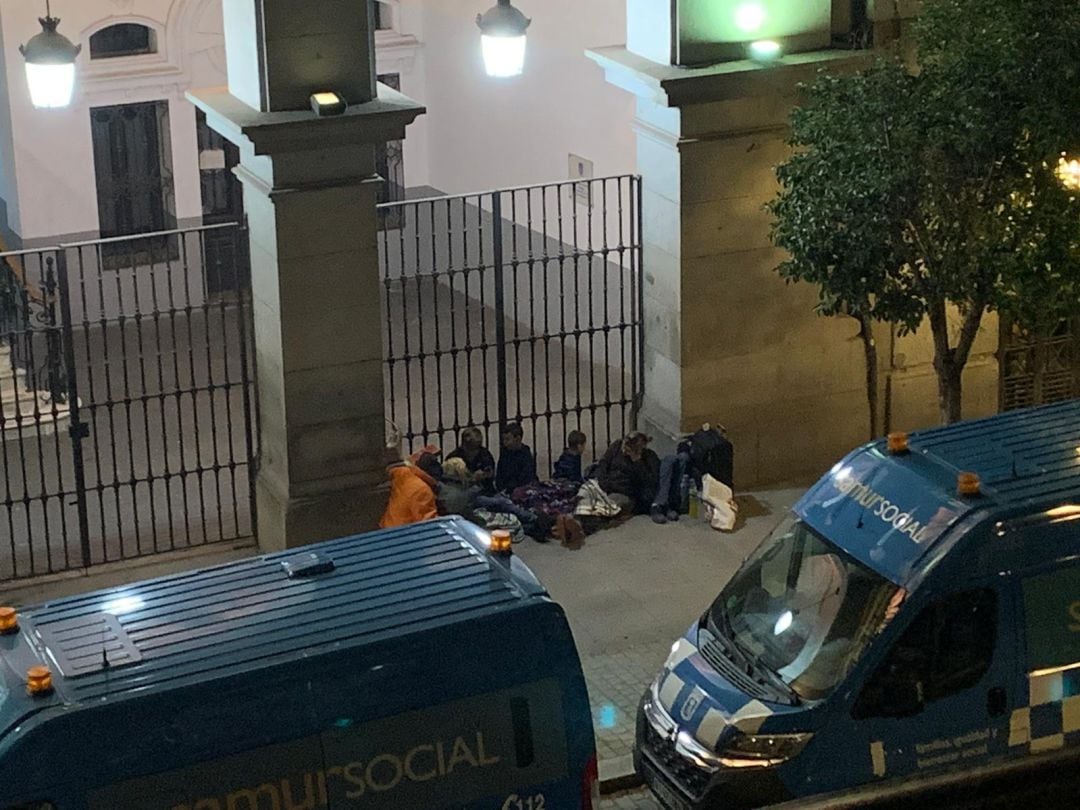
(898, 443)
(38, 681)
(501, 543)
(9, 621)
(967, 483)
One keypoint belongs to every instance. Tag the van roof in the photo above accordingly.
(211, 623)
(1025, 456)
(890, 511)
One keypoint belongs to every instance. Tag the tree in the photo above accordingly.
(939, 182)
(843, 190)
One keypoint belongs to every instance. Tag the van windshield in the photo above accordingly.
(803, 609)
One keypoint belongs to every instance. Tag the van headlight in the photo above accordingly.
(763, 750)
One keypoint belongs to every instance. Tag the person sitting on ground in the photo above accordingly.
(478, 459)
(568, 467)
(517, 466)
(629, 472)
(456, 495)
(427, 458)
(412, 496)
(668, 500)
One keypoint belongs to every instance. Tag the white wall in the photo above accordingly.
(53, 156)
(53, 148)
(479, 132)
(8, 189)
(486, 133)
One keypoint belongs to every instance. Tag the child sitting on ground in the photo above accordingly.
(568, 467)
(477, 458)
(517, 466)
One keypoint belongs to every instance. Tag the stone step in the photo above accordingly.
(27, 423)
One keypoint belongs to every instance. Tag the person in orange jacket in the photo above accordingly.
(412, 496)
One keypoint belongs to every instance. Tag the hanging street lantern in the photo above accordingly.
(50, 64)
(502, 29)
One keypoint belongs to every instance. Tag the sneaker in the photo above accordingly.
(658, 515)
(672, 515)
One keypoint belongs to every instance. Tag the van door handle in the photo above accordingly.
(996, 702)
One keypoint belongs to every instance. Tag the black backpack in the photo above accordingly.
(712, 454)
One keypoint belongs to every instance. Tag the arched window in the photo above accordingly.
(122, 39)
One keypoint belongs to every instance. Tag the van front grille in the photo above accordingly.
(689, 777)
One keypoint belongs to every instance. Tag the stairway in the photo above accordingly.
(26, 413)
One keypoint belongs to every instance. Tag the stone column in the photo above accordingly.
(309, 194)
(726, 340)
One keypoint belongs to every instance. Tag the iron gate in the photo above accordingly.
(520, 304)
(126, 426)
(1038, 369)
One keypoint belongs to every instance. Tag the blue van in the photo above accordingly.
(421, 667)
(917, 613)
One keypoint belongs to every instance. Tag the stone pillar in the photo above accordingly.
(309, 194)
(726, 340)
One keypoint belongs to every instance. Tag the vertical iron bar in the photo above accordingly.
(185, 267)
(251, 405)
(638, 281)
(500, 306)
(144, 397)
(211, 386)
(421, 354)
(76, 429)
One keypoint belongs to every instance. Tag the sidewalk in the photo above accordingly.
(631, 591)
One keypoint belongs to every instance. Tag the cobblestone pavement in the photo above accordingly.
(640, 799)
(616, 681)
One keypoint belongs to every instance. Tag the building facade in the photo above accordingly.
(725, 340)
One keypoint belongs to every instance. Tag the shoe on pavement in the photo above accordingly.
(672, 515)
(658, 515)
(575, 534)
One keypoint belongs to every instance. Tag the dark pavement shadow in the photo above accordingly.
(749, 507)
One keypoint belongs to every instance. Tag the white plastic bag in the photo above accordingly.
(720, 503)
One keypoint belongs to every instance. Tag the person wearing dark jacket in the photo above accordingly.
(477, 458)
(568, 467)
(629, 473)
(517, 466)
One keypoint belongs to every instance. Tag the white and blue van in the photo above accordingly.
(918, 612)
(420, 667)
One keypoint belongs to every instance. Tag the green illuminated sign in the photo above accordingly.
(711, 30)
(1052, 618)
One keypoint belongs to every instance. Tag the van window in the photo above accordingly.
(803, 609)
(947, 649)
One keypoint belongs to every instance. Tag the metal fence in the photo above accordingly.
(1038, 369)
(127, 419)
(520, 304)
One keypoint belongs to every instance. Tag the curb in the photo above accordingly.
(617, 774)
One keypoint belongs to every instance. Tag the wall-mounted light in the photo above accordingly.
(1068, 172)
(502, 29)
(328, 103)
(765, 50)
(749, 17)
(50, 64)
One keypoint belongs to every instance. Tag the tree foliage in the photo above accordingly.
(911, 191)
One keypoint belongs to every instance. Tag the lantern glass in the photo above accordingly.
(503, 56)
(51, 85)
